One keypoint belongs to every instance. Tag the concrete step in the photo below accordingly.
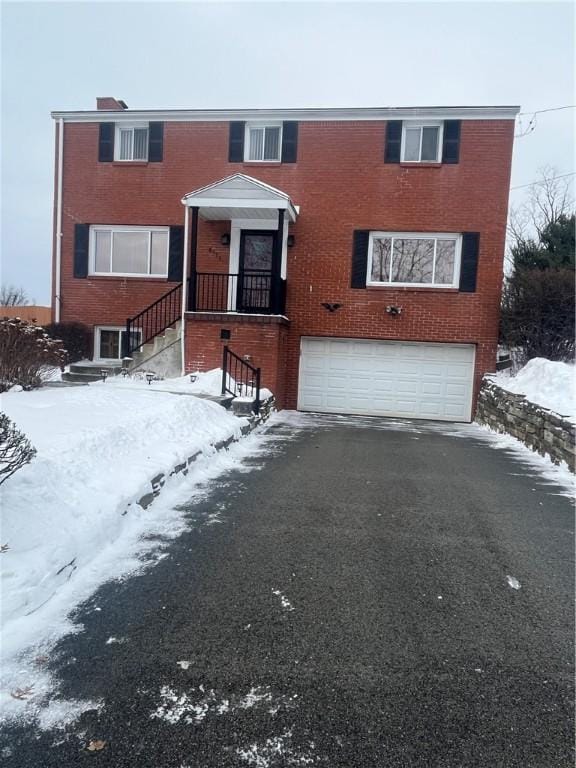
(224, 400)
(96, 368)
(81, 378)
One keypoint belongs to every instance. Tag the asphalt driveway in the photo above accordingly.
(374, 595)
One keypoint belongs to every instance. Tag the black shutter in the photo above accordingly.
(289, 142)
(236, 143)
(393, 141)
(81, 240)
(176, 254)
(155, 142)
(106, 143)
(451, 141)
(469, 265)
(360, 258)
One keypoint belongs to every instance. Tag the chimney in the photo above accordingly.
(110, 103)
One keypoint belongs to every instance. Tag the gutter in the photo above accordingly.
(303, 115)
(58, 271)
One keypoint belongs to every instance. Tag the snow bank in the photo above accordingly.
(208, 383)
(98, 448)
(546, 383)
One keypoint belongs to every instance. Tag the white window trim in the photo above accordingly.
(416, 236)
(121, 228)
(120, 329)
(123, 126)
(247, 128)
(407, 124)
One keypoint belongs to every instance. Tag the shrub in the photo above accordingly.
(15, 449)
(26, 351)
(538, 314)
(75, 337)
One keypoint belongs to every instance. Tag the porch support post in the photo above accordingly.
(277, 265)
(184, 290)
(193, 259)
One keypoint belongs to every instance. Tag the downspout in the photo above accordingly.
(184, 288)
(58, 271)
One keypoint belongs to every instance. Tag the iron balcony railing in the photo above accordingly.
(256, 292)
(240, 379)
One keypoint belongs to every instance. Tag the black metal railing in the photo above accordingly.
(256, 292)
(240, 379)
(144, 326)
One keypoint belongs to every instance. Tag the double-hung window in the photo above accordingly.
(131, 141)
(129, 251)
(414, 259)
(421, 143)
(263, 143)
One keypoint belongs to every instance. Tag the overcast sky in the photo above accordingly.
(202, 55)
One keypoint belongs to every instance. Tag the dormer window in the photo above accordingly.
(263, 143)
(421, 143)
(131, 141)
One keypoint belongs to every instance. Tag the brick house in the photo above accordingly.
(354, 255)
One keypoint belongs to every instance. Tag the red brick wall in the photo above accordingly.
(340, 183)
(263, 339)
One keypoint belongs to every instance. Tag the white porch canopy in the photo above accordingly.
(240, 197)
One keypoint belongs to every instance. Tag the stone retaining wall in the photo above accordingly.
(158, 482)
(544, 431)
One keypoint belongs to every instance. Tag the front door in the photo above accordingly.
(255, 274)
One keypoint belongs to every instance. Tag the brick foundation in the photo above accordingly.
(263, 338)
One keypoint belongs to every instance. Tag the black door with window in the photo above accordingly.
(255, 273)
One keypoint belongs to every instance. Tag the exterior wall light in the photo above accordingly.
(290, 240)
(331, 307)
(392, 310)
(225, 238)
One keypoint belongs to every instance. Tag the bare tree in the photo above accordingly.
(549, 199)
(13, 296)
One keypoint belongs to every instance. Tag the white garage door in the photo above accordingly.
(386, 378)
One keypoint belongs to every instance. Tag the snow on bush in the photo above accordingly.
(15, 449)
(97, 449)
(26, 351)
(544, 382)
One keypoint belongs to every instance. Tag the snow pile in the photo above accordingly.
(208, 383)
(546, 383)
(98, 448)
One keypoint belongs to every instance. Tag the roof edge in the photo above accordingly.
(303, 115)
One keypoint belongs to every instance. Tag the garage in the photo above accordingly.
(386, 378)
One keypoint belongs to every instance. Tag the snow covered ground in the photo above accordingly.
(69, 519)
(546, 383)
(208, 383)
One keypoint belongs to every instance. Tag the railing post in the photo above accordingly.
(192, 292)
(257, 398)
(126, 351)
(224, 366)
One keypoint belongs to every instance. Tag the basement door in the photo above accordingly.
(386, 378)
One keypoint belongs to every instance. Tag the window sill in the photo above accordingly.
(148, 278)
(130, 163)
(405, 164)
(262, 163)
(416, 288)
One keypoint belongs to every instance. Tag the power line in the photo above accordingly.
(551, 109)
(534, 183)
(531, 127)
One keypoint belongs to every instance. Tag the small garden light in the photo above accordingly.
(193, 378)
(149, 378)
(104, 373)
